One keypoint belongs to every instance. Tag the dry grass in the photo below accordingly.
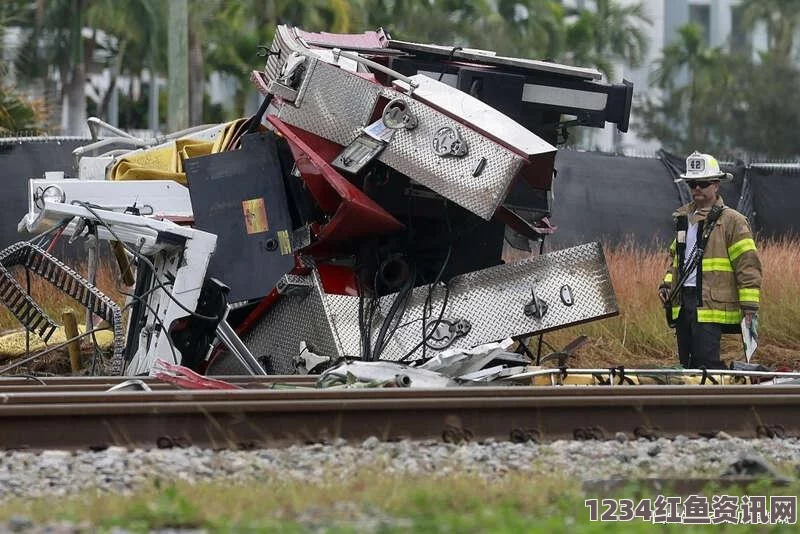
(639, 336)
(54, 303)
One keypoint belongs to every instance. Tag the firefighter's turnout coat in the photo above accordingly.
(729, 277)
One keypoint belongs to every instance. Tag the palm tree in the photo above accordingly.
(527, 28)
(782, 19)
(607, 33)
(16, 116)
(57, 24)
(232, 31)
(536, 28)
(138, 30)
(313, 15)
(767, 123)
(688, 53)
(423, 21)
(694, 78)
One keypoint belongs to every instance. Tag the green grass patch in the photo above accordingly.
(371, 502)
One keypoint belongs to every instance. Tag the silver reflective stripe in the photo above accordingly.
(558, 96)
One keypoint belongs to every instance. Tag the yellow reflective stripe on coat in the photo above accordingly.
(717, 264)
(740, 247)
(704, 315)
(676, 310)
(668, 278)
(749, 294)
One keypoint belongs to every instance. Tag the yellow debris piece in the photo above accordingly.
(569, 380)
(12, 345)
(711, 380)
(165, 162)
(632, 379)
(158, 163)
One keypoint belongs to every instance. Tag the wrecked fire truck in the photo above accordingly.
(360, 215)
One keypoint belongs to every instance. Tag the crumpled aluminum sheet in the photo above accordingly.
(378, 374)
(333, 103)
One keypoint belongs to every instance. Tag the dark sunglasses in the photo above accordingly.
(702, 185)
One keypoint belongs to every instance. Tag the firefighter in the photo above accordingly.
(714, 278)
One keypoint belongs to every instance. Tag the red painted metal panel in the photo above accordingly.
(352, 213)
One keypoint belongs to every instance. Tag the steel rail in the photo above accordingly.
(268, 418)
(254, 390)
(101, 383)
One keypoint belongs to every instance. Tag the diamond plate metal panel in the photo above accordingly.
(411, 152)
(282, 47)
(294, 318)
(492, 300)
(335, 104)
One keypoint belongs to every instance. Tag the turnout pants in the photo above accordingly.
(698, 343)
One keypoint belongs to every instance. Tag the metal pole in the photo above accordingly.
(91, 269)
(178, 65)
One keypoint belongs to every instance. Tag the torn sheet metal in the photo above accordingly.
(476, 113)
(369, 40)
(352, 214)
(336, 104)
(156, 198)
(489, 57)
(490, 374)
(381, 374)
(477, 179)
(462, 364)
(331, 103)
(296, 317)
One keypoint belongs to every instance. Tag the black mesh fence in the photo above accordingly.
(611, 199)
(22, 158)
(774, 193)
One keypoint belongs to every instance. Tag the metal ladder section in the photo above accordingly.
(69, 282)
(24, 308)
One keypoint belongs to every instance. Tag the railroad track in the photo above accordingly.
(78, 413)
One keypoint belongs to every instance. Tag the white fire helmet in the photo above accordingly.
(703, 167)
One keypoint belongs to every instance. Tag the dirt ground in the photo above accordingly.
(55, 363)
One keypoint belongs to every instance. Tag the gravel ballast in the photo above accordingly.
(117, 469)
